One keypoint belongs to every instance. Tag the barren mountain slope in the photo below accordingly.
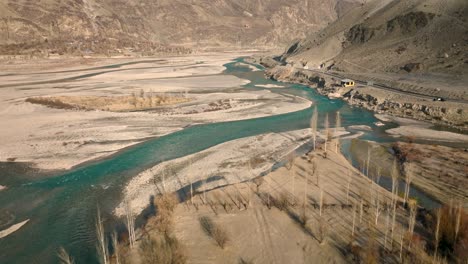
(419, 36)
(139, 24)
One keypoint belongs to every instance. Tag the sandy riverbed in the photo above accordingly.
(420, 129)
(61, 139)
(12, 229)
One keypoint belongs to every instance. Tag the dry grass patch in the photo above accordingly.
(214, 231)
(107, 103)
(162, 249)
(164, 208)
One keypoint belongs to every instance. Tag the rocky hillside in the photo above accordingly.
(87, 26)
(418, 36)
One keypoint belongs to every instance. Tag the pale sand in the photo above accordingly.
(264, 235)
(225, 164)
(426, 133)
(229, 160)
(12, 229)
(420, 129)
(361, 127)
(253, 68)
(61, 139)
(269, 86)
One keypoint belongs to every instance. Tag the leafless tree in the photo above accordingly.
(408, 179)
(327, 131)
(292, 172)
(102, 249)
(458, 220)
(395, 176)
(321, 202)
(413, 205)
(64, 257)
(313, 126)
(322, 230)
(134, 99)
(130, 223)
(401, 244)
(361, 210)
(392, 234)
(349, 184)
(387, 227)
(258, 182)
(354, 220)
(305, 191)
(368, 160)
(337, 126)
(115, 244)
(436, 234)
(191, 181)
(377, 208)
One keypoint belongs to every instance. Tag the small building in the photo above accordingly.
(347, 83)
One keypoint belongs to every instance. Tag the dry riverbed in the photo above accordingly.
(56, 139)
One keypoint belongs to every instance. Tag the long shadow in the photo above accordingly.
(182, 195)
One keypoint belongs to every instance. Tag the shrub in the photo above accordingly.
(165, 206)
(281, 202)
(450, 245)
(164, 249)
(214, 231)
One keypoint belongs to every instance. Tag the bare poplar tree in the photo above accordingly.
(305, 190)
(413, 204)
(395, 176)
(387, 227)
(337, 126)
(292, 172)
(392, 234)
(458, 220)
(134, 99)
(408, 179)
(326, 128)
(130, 223)
(313, 126)
(321, 202)
(115, 244)
(164, 179)
(361, 210)
(349, 183)
(377, 208)
(368, 160)
(436, 234)
(401, 245)
(354, 220)
(102, 249)
(64, 257)
(191, 182)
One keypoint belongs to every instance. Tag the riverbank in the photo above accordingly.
(436, 171)
(59, 139)
(229, 163)
(399, 104)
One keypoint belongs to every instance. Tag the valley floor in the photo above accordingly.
(58, 139)
(264, 219)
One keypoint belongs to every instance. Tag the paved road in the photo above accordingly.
(389, 88)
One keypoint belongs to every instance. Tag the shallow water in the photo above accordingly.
(62, 208)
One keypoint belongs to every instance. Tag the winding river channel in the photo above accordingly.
(62, 208)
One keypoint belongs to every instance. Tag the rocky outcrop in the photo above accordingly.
(445, 115)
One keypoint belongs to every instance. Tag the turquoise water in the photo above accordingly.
(62, 208)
